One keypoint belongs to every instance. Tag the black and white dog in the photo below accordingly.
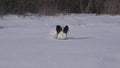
(61, 32)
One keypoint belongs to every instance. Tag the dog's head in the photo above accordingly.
(62, 32)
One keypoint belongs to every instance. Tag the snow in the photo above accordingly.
(93, 42)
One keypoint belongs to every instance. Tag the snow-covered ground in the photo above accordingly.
(93, 42)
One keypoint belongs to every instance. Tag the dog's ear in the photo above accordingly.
(58, 28)
(66, 29)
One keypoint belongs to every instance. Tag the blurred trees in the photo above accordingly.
(59, 6)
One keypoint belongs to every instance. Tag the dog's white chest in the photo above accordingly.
(62, 36)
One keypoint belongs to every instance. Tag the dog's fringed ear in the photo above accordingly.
(66, 29)
(58, 29)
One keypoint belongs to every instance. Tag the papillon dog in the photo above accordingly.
(61, 32)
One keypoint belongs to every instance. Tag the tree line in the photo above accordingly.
(48, 7)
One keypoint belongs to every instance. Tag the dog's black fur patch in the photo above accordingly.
(66, 29)
(58, 29)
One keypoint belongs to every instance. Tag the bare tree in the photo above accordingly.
(112, 6)
(87, 10)
(50, 7)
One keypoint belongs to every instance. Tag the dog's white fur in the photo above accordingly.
(61, 35)
(60, 32)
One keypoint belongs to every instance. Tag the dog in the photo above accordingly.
(61, 32)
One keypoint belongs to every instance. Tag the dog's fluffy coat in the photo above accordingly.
(61, 32)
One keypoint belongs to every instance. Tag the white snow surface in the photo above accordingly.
(92, 42)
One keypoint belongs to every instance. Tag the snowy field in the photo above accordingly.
(93, 42)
